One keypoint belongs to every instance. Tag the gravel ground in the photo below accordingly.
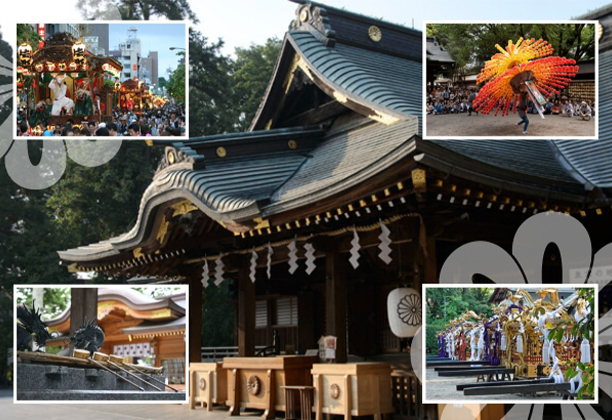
(460, 125)
(445, 389)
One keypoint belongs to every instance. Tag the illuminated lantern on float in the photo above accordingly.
(25, 54)
(61, 66)
(39, 67)
(72, 66)
(78, 52)
(50, 66)
(404, 310)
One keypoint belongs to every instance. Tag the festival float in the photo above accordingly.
(67, 81)
(134, 97)
(512, 352)
(521, 71)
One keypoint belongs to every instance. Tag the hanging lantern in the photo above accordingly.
(25, 54)
(117, 86)
(78, 52)
(404, 310)
(50, 66)
(62, 66)
(39, 67)
(72, 66)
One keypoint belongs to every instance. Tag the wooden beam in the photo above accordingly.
(461, 387)
(246, 312)
(195, 320)
(316, 115)
(83, 305)
(485, 389)
(335, 300)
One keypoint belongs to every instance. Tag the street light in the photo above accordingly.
(176, 48)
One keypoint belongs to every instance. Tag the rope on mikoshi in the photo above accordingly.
(480, 344)
(555, 372)
(473, 345)
(576, 382)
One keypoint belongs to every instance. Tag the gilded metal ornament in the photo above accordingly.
(374, 34)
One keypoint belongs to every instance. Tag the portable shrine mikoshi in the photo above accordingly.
(515, 341)
(71, 77)
(134, 97)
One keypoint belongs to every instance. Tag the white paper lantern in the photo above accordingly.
(404, 310)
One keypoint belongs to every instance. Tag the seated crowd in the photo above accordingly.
(455, 101)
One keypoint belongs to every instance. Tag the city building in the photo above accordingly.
(149, 67)
(101, 31)
(54, 28)
(130, 56)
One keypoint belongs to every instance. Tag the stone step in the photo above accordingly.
(98, 395)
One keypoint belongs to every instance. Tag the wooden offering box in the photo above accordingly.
(208, 384)
(352, 389)
(255, 382)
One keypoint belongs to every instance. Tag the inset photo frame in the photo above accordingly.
(113, 344)
(94, 79)
(511, 80)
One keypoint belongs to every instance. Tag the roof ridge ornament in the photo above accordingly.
(314, 19)
(179, 156)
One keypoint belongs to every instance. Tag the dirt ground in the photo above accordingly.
(462, 125)
(445, 389)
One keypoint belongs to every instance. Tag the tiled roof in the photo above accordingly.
(383, 80)
(593, 158)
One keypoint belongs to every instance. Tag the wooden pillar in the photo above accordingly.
(195, 321)
(246, 312)
(335, 301)
(83, 305)
(306, 319)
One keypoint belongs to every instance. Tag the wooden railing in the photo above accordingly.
(216, 354)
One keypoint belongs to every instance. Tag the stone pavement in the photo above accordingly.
(112, 411)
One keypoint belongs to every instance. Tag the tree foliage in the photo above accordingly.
(55, 300)
(211, 108)
(252, 71)
(136, 9)
(470, 45)
(446, 304)
(176, 84)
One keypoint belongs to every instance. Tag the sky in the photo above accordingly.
(153, 37)
(243, 22)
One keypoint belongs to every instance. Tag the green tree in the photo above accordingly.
(55, 300)
(446, 304)
(136, 9)
(93, 204)
(162, 82)
(471, 45)
(176, 84)
(252, 71)
(211, 107)
(28, 241)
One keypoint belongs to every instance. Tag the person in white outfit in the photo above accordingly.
(59, 88)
